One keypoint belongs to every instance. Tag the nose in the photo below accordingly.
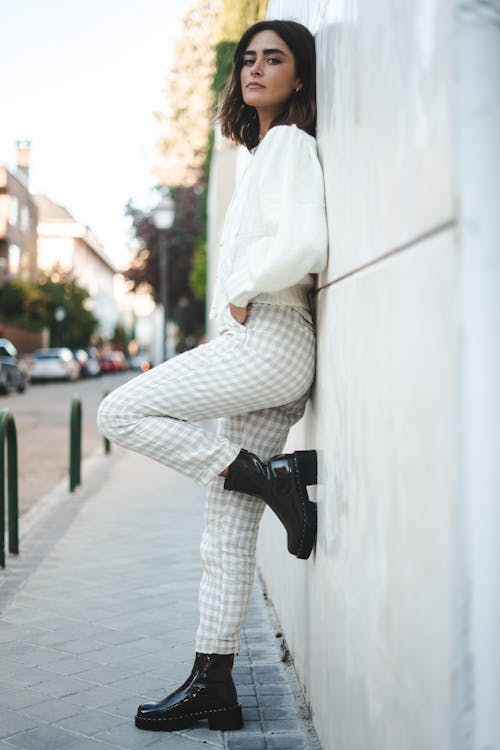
(256, 69)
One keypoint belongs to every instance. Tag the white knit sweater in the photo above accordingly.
(275, 232)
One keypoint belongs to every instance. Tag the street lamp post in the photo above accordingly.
(163, 218)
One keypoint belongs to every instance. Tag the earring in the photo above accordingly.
(297, 89)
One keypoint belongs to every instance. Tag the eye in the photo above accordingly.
(248, 61)
(273, 60)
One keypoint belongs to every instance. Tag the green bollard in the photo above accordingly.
(75, 443)
(107, 444)
(8, 433)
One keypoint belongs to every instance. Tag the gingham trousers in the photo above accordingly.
(256, 379)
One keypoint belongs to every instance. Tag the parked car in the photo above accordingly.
(54, 364)
(113, 362)
(12, 375)
(89, 364)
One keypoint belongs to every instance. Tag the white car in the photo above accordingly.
(54, 364)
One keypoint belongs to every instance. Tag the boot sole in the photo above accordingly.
(223, 719)
(306, 471)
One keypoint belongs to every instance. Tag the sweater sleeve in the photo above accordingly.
(292, 239)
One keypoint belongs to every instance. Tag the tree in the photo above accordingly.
(34, 306)
(198, 272)
(187, 118)
(79, 323)
(184, 308)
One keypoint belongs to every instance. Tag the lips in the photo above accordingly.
(254, 85)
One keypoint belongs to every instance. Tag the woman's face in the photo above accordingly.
(268, 77)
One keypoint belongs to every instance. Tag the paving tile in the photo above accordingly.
(24, 675)
(92, 721)
(276, 726)
(265, 674)
(146, 685)
(291, 741)
(26, 653)
(251, 713)
(243, 741)
(115, 637)
(276, 699)
(96, 696)
(104, 674)
(128, 736)
(13, 722)
(25, 616)
(125, 707)
(44, 737)
(62, 685)
(251, 726)
(201, 734)
(86, 743)
(243, 679)
(46, 638)
(10, 632)
(70, 665)
(246, 690)
(286, 712)
(247, 701)
(79, 646)
(20, 698)
(51, 710)
(272, 688)
(241, 669)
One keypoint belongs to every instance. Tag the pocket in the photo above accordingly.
(305, 320)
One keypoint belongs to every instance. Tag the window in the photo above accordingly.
(14, 258)
(14, 211)
(25, 219)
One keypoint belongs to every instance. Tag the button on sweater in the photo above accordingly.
(275, 232)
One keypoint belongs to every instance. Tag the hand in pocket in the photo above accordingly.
(238, 313)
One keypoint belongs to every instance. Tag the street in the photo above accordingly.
(42, 422)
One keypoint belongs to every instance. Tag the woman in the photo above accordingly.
(255, 375)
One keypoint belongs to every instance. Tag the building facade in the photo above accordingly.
(18, 220)
(67, 244)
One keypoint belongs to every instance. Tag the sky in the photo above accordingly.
(81, 80)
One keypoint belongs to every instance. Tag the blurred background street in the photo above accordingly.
(42, 422)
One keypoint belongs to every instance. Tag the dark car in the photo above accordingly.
(11, 375)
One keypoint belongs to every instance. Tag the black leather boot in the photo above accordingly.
(282, 483)
(208, 693)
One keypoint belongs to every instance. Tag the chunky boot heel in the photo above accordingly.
(282, 483)
(310, 531)
(226, 719)
(307, 466)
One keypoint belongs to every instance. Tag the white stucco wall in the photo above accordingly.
(393, 623)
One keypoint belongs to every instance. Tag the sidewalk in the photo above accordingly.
(99, 613)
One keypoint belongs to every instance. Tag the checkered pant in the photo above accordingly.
(256, 378)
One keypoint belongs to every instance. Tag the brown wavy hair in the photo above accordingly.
(240, 122)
